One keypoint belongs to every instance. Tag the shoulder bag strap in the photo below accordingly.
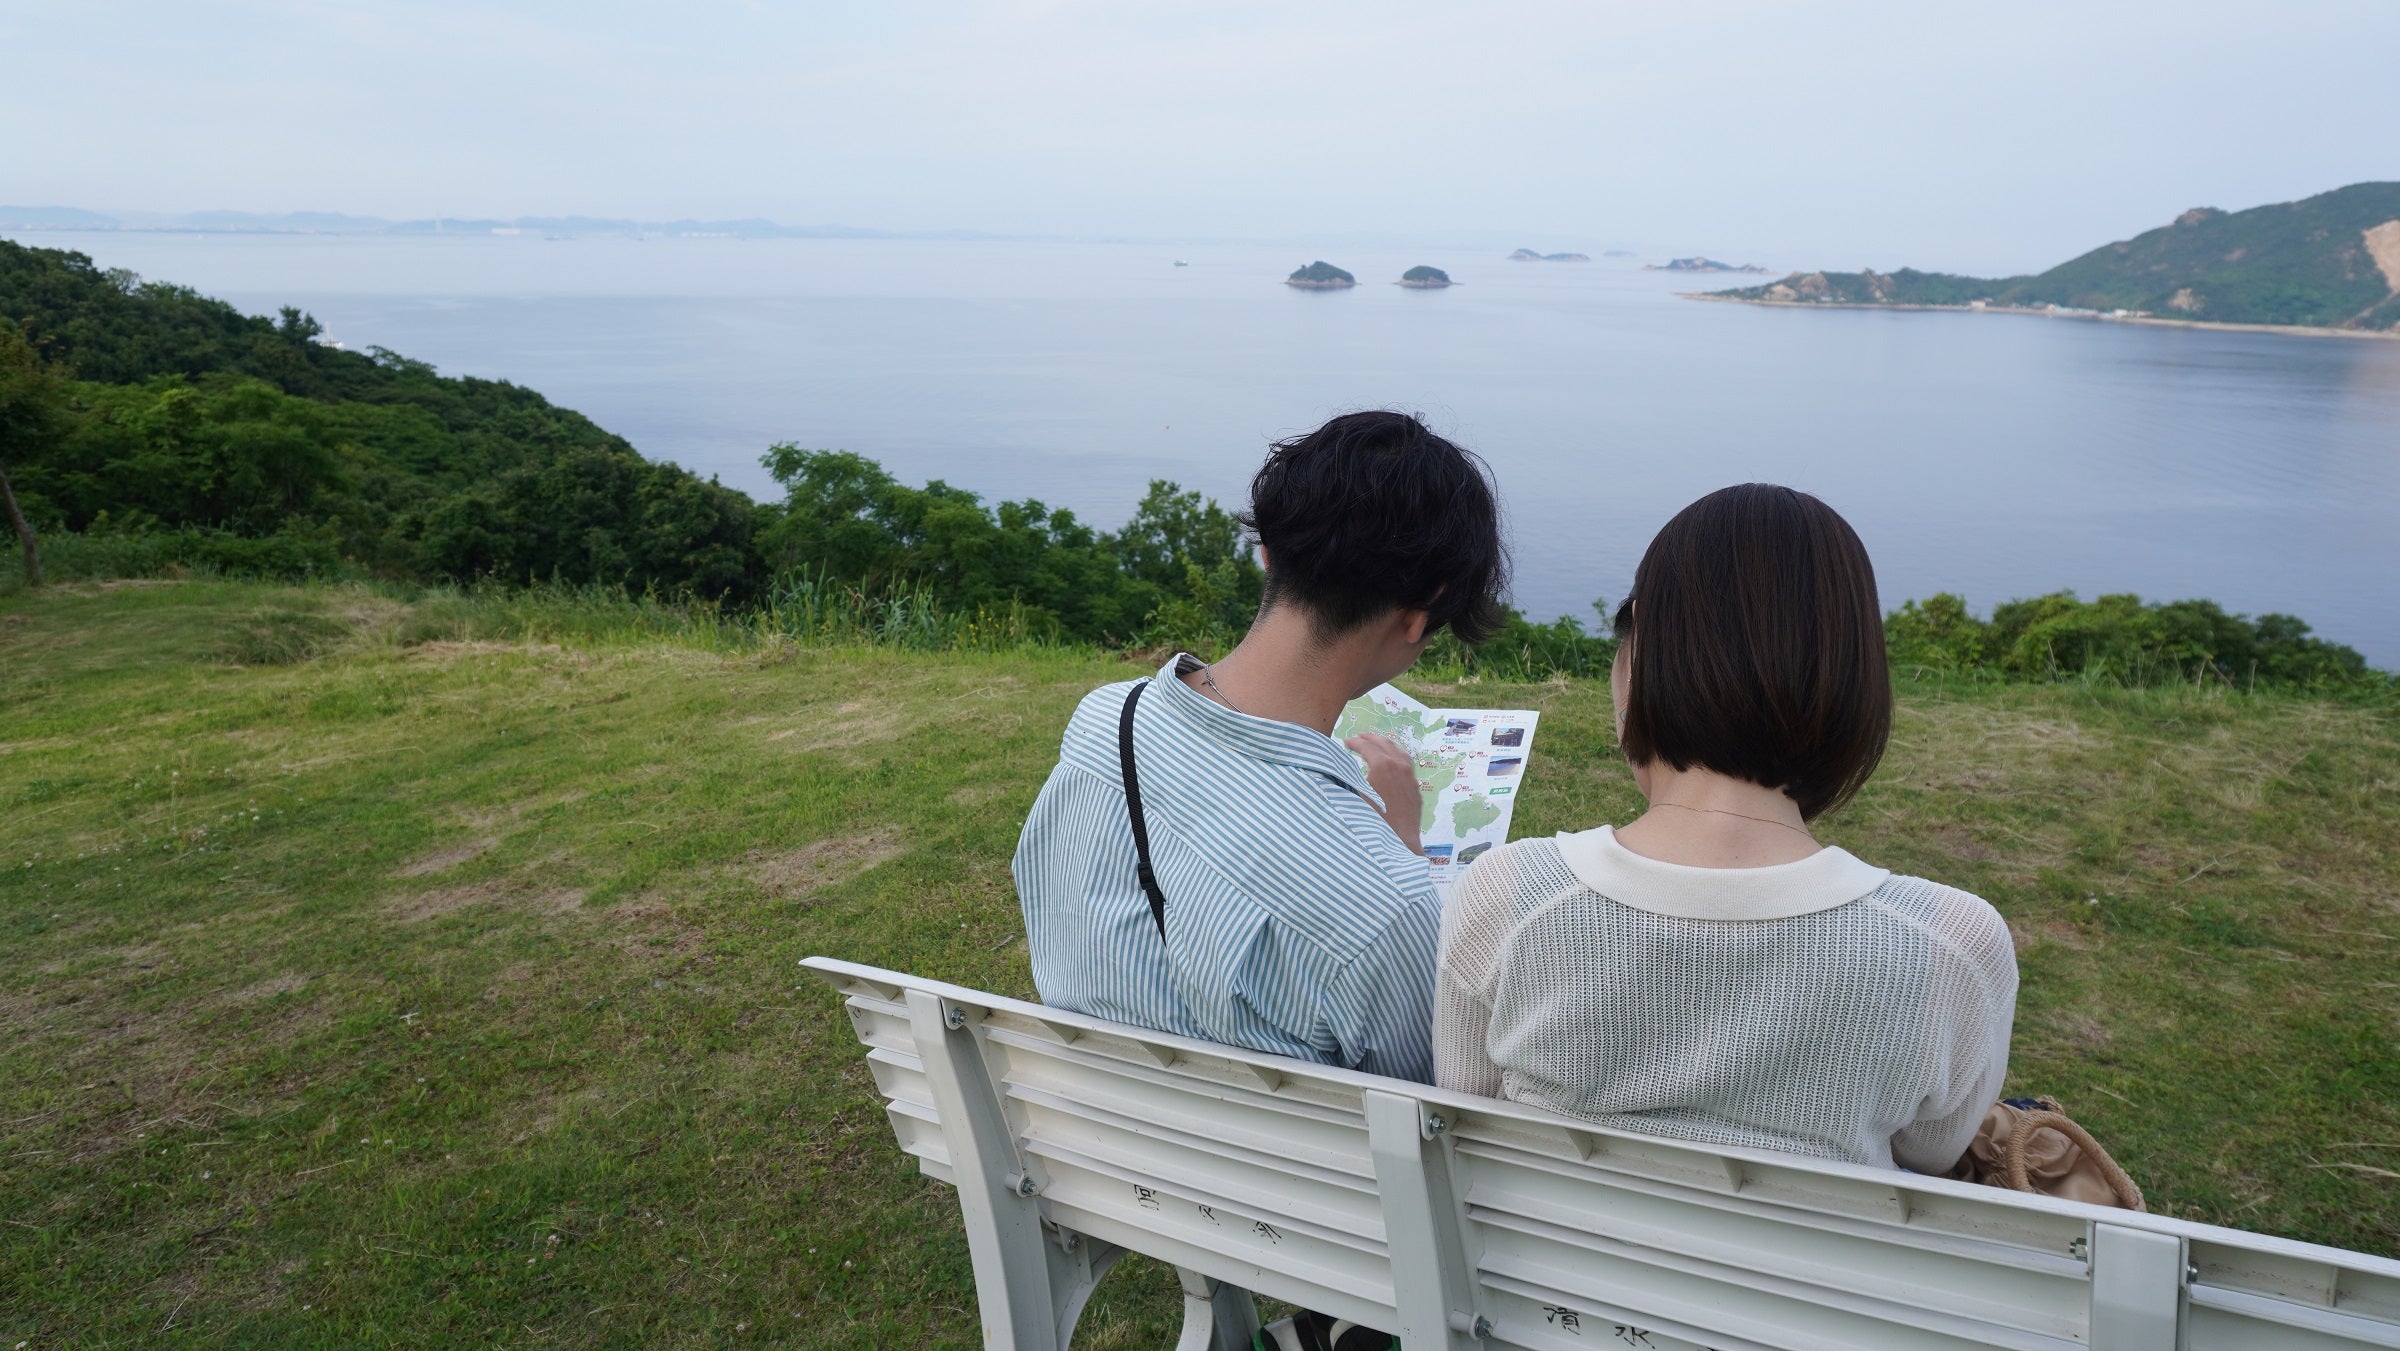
(1133, 809)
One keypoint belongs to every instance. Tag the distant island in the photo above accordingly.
(1529, 256)
(2328, 263)
(1425, 278)
(1618, 253)
(1699, 265)
(1320, 276)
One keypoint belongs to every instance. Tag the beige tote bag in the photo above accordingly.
(2032, 1145)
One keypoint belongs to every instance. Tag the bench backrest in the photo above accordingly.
(1460, 1221)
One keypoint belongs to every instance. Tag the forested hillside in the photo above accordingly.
(2329, 261)
(131, 408)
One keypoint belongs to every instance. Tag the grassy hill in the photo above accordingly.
(379, 965)
(2328, 261)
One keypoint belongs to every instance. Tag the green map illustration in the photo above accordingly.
(1469, 763)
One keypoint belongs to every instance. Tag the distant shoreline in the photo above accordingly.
(2043, 312)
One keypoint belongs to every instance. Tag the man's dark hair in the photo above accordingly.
(1757, 647)
(1372, 512)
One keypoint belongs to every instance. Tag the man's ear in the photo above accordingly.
(1412, 626)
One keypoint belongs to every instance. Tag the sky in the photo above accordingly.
(1974, 136)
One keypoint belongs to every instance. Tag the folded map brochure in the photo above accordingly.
(1470, 762)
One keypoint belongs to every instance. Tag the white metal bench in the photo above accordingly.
(1457, 1221)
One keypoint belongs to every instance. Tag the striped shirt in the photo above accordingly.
(1297, 923)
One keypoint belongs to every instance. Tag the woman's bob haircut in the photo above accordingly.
(1756, 644)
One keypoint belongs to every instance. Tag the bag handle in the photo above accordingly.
(1133, 810)
(2048, 1113)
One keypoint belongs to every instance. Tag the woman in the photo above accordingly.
(1710, 972)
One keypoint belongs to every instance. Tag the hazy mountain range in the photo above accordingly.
(335, 223)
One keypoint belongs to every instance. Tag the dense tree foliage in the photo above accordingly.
(848, 519)
(135, 406)
(184, 413)
(2117, 637)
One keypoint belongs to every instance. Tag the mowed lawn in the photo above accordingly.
(383, 972)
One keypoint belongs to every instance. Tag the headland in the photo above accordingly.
(2327, 265)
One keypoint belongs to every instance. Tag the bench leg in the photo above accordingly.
(1005, 1241)
(1216, 1316)
(1077, 1265)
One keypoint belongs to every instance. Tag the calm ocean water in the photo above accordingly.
(1987, 455)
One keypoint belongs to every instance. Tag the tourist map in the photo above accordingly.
(1470, 762)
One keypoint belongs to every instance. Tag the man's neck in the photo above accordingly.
(1281, 671)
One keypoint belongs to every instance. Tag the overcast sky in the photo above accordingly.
(1975, 137)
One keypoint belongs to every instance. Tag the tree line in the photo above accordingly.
(137, 407)
(147, 414)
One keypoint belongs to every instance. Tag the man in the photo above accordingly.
(1293, 912)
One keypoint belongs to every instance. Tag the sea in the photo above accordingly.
(1994, 456)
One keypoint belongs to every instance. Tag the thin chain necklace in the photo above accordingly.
(1720, 811)
(1211, 681)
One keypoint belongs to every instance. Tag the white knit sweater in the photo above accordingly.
(1822, 1007)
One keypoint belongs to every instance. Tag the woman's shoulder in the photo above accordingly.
(1955, 915)
(1499, 886)
(1514, 867)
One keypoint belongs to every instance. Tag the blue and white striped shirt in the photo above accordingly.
(1297, 922)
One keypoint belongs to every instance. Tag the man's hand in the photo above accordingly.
(1393, 776)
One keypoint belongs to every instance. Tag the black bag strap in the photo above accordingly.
(1133, 809)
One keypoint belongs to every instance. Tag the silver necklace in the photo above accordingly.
(1720, 811)
(1211, 681)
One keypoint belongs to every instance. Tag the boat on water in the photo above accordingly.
(1180, 263)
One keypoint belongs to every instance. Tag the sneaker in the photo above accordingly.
(1320, 1332)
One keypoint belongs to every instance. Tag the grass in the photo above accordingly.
(378, 969)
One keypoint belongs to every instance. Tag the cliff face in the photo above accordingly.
(2329, 261)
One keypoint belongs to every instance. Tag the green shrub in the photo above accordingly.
(2120, 639)
(1525, 651)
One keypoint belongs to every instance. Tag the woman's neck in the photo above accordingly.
(1703, 819)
